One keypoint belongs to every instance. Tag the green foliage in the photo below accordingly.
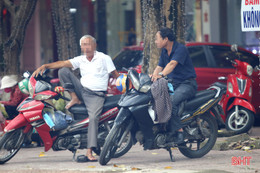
(59, 104)
(2, 109)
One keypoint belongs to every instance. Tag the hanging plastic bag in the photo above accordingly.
(57, 120)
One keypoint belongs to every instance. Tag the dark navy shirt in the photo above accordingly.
(184, 69)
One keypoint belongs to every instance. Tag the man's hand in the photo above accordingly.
(155, 74)
(39, 70)
(154, 77)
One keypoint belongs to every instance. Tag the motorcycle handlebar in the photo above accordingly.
(233, 62)
(62, 97)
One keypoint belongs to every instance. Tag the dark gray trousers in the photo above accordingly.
(183, 91)
(93, 101)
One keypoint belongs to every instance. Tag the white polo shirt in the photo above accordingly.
(94, 73)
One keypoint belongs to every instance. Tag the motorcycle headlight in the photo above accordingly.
(42, 97)
(249, 70)
(230, 87)
(145, 88)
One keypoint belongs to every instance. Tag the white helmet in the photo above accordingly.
(9, 81)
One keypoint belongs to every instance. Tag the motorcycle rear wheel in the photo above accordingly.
(10, 144)
(197, 148)
(111, 145)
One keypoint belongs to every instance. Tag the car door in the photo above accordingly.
(202, 66)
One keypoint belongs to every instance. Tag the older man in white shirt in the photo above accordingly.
(94, 69)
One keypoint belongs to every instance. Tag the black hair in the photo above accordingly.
(167, 32)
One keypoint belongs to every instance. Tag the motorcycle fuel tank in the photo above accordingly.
(134, 98)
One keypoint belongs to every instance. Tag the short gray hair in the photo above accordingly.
(87, 36)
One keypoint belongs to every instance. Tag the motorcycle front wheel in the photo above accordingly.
(204, 137)
(242, 123)
(122, 149)
(10, 144)
(114, 140)
(125, 146)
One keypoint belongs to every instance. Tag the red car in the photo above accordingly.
(209, 60)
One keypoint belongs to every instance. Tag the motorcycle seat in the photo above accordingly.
(110, 102)
(200, 98)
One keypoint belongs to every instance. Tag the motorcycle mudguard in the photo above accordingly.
(243, 103)
(16, 123)
(44, 132)
(122, 115)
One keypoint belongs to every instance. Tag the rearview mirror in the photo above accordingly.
(234, 47)
(26, 74)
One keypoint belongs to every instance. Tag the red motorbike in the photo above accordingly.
(45, 77)
(236, 102)
(66, 133)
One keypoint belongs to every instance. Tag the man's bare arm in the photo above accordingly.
(169, 67)
(54, 65)
(115, 74)
(167, 70)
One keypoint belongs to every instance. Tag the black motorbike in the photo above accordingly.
(198, 117)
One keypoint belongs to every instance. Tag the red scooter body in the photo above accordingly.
(54, 82)
(238, 110)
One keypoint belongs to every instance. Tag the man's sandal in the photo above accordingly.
(83, 158)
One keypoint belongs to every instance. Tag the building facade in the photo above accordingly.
(118, 23)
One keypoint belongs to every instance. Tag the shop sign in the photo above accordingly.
(250, 15)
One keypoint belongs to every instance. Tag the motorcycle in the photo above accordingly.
(238, 113)
(197, 117)
(26, 75)
(56, 129)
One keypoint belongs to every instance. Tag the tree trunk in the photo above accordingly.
(1, 38)
(151, 24)
(13, 46)
(158, 13)
(64, 29)
(180, 21)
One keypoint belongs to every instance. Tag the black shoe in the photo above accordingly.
(148, 144)
(180, 138)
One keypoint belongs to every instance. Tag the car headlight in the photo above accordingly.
(249, 70)
(230, 87)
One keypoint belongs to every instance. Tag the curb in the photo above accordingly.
(231, 141)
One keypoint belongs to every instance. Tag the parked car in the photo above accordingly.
(209, 60)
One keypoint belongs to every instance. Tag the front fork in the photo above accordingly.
(127, 130)
(236, 111)
(26, 132)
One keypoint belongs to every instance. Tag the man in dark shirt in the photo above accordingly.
(176, 64)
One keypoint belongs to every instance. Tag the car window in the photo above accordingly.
(128, 58)
(220, 54)
(249, 58)
(198, 56)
